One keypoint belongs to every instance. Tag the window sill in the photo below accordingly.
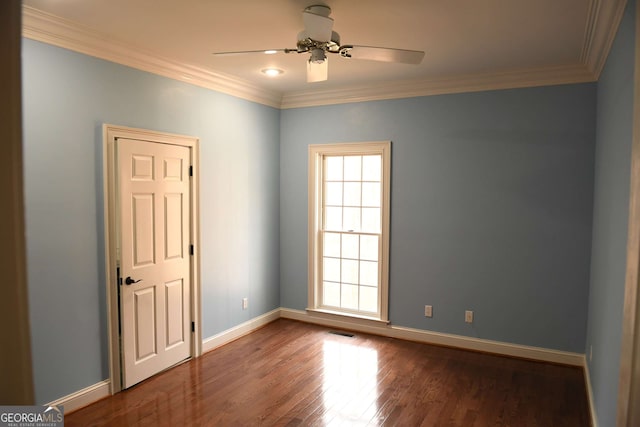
(347, 317)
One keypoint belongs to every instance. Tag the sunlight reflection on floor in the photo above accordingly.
(350, 387)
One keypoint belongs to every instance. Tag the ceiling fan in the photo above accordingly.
(318, 39)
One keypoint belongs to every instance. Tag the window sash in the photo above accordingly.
(362, 286)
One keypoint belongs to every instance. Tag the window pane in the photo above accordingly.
(349, 271)
(371, 220)
(351, 219)
(333, 218)
(352, 193)
(331, 270)
(333, 194)
(333, 168)
(331, 244)
(350, 296)
(350, 246)
(371, 167)
(352, 168)
(368, 299)
(369, 248)
(331, 293)
(371, 194)
(369, 273)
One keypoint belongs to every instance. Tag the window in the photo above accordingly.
(349, 228)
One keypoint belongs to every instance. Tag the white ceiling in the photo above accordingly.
(516, 42)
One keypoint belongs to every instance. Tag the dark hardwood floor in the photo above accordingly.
(295, 374)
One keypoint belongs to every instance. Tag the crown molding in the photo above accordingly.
(546, 76)
(601, 28)
(51, 29)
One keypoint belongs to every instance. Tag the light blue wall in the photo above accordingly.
(610, 219)
(491, 208)
(67, 98)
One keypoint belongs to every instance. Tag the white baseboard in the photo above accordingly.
(84, 397)
(592, 407)
(450, 340)
(236, 332)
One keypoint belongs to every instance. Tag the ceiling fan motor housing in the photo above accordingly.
(319, 9)
(306, 44)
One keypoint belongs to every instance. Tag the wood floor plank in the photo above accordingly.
(295, 374)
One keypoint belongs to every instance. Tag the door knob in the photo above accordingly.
(130, 281)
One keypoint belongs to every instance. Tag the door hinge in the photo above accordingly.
(190, 170)
(193, 326)
(190, 249)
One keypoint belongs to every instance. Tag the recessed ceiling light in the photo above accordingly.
(270, 52)
(272, 72)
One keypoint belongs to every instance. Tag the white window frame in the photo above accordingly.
(317, 152)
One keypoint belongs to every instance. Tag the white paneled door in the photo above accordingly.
(155, 315)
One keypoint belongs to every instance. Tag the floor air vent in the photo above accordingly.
(344, 334)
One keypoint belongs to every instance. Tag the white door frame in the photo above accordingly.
(16, 369)
(629, 379)
(110, 134)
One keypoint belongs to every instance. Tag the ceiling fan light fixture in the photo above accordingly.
(272, 72)
(270, 52)
(317, 71)
(318, 56)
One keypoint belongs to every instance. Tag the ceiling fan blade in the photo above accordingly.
(317, 71)
(264, 51)
(317, 27)
(383, 54)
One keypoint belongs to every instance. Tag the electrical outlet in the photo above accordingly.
(428, 311)
(245, 303)
(468, 316)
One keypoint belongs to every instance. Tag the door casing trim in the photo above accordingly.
(110, 134)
